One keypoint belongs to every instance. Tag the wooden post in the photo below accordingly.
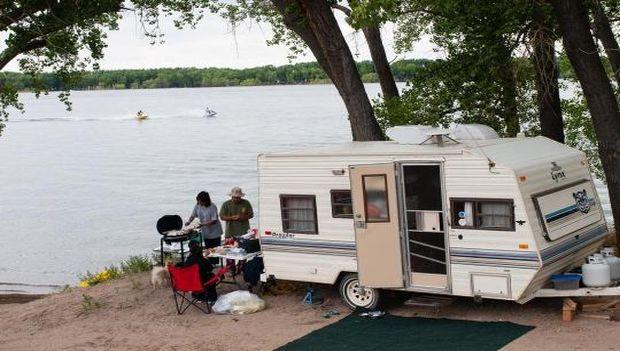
(568, 310)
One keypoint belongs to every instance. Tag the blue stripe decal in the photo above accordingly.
(561, 211)
(574, 244)
(534, 265)
(323, 244)
(495, 254)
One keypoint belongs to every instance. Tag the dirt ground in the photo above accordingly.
(128, 314)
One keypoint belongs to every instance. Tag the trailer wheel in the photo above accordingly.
(355, 296)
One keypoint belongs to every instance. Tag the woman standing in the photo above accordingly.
(210, 226)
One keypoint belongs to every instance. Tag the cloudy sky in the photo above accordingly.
(213, 44)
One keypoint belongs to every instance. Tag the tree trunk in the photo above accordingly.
(581, 51)
(381, 63)
(294, 20)
(509, 92)
(314, 22)
(602, 30)
(546, 71)
(377, 53)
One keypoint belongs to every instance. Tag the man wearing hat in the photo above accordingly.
(237, 213)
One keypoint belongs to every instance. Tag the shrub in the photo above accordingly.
(88, 303)
(65, 289)
(90, 279)
(136, 264)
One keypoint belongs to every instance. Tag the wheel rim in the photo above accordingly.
(358, 296)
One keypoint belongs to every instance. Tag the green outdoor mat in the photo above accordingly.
(404, 333)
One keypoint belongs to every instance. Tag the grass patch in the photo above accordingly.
(89, 304)
(65, 289)
(132, 265)
(136, 264)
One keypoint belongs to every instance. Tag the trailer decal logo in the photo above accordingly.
(557, 173)
(283, 235)
(584, 203)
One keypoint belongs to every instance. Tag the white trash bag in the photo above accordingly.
(238, 302)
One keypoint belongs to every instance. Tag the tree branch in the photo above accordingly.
(51, 22)
(344, 9)
(20, 13)
(9, 53)
(6, 19)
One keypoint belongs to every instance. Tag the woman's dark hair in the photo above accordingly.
(204, 198)
(194, 247)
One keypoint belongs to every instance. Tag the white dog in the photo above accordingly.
(160, 277)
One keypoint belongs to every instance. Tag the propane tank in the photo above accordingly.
(596, 273)
(612, 261)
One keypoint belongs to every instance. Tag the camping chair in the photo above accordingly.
(185, 281)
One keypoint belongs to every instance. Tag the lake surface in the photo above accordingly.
(83, 189)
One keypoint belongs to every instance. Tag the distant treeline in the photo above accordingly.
(300, 73)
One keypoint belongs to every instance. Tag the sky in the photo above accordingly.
(214, 44)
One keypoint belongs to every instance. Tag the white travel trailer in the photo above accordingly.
(485, 217)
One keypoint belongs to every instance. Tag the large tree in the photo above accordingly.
(372, 34)
(603, 32)
(597, 89)
(314, 22)
(59, 30)
(546, 71)
(478, 82)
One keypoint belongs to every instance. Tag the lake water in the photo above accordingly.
(83, 189)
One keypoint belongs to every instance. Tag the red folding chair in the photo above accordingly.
(185, 281)
(217, 277)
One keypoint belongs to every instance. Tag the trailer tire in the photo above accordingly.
(355, 296)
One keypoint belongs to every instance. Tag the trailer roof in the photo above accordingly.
(515, 153)
(382, 148)
(524, 153)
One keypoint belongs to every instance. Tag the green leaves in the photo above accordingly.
(64, 37)
(477, 82)
(579, 129)
(67, 37)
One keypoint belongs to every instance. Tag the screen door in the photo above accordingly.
(376, 220)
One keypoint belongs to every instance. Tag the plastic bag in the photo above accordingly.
(239, 302)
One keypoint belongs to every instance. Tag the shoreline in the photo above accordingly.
(8, 288)
(19, 298)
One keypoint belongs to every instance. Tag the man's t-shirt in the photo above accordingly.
(230, 208)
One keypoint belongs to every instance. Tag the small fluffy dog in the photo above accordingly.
(160, 277)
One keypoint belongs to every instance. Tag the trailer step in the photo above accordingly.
(431, 301)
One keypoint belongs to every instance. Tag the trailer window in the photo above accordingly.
(342, 207)
(490, 214)
(299, 214)
(376, 198)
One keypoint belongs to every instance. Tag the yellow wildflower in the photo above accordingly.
(84, 284)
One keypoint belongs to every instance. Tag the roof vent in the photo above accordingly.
(439, 137)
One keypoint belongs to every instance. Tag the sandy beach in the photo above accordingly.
(128, 314)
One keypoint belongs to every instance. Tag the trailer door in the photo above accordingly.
(376, 219)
